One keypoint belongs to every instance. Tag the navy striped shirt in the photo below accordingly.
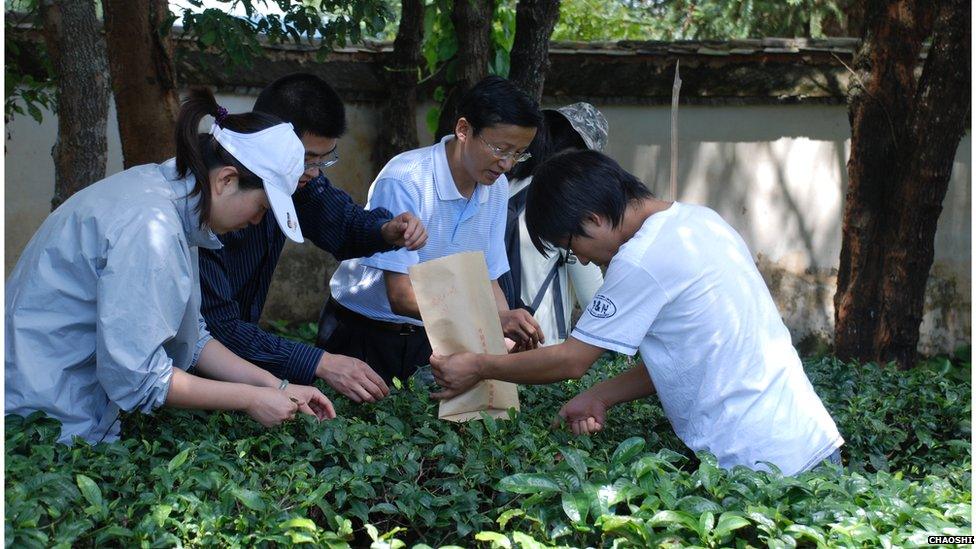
(234, 280)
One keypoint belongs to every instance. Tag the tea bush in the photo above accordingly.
(391, 474)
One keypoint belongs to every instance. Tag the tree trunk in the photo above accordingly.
(904, 136)
(400, 110)
(472, 25)
(143, 79)
(534, 23)
(77, 52)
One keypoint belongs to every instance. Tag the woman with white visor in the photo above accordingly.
(103, 306)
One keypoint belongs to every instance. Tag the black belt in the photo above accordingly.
(352, 317)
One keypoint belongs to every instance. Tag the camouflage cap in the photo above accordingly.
(588, 122)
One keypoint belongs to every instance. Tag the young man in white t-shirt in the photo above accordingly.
(682, 289)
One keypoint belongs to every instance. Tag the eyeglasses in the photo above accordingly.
(323, 164)
(570, 254)
(511, 155)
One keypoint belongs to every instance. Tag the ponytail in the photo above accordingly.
(198, 153)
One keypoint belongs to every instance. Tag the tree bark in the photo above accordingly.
(400, 110)
(534, 23)
(77, 52)
(904, 135)
(472, 25)
(143, 79)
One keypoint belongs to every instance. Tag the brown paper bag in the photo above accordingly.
(459, 312)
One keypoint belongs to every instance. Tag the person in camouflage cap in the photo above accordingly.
(549, 287)
(588, 122)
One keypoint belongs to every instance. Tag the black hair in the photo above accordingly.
(307, 101)
(495, 100)
(555, 135)
(571, 185)
(198, 153)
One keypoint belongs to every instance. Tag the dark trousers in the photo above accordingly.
(391, 350)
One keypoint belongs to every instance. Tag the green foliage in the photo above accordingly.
(25, 93)
(439, 47)
(596, 20)
(236, 38)
(391, 474)
(590, 20)
(305, 331)
(911, 421)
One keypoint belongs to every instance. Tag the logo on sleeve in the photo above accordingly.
(602, 307)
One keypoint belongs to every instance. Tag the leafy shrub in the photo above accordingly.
(913, 421)
(391, 473)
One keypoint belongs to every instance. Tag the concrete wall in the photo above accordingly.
(776, 173)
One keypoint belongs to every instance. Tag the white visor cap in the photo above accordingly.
(277, 156)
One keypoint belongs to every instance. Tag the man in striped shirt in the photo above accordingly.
(235, 279)
(458, 189)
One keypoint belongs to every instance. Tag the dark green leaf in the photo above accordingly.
(177, 461)
(576, 506)
(527, 483)
(249, 498)
(626, 451)
(89, 490)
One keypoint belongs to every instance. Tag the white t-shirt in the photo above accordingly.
(685, 292)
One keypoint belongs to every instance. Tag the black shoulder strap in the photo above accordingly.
(511, 282)
(557, 297)
(517, 201)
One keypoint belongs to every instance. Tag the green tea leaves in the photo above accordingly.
(390, 475)
(250, 498)
(626, 451)
(89, 490)
(528, 483)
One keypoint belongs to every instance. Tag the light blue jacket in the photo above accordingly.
(105, 301)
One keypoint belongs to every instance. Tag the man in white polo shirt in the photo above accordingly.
(682, 289)
(458, 189)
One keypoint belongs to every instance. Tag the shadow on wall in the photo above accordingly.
(778, 175)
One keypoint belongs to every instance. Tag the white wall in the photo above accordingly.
(776, 173)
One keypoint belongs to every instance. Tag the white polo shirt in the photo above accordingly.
(685, 291)
(420, 182)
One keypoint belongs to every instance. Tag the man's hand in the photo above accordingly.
(511, 346)
(406, 231)
(585, 414)
(455, 374)
(351, 377)
(519, 326)
(311, 401)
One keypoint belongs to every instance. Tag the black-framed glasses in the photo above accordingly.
(510, 155)
(325, 160)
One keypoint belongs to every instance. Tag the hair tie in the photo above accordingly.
(221, 115)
